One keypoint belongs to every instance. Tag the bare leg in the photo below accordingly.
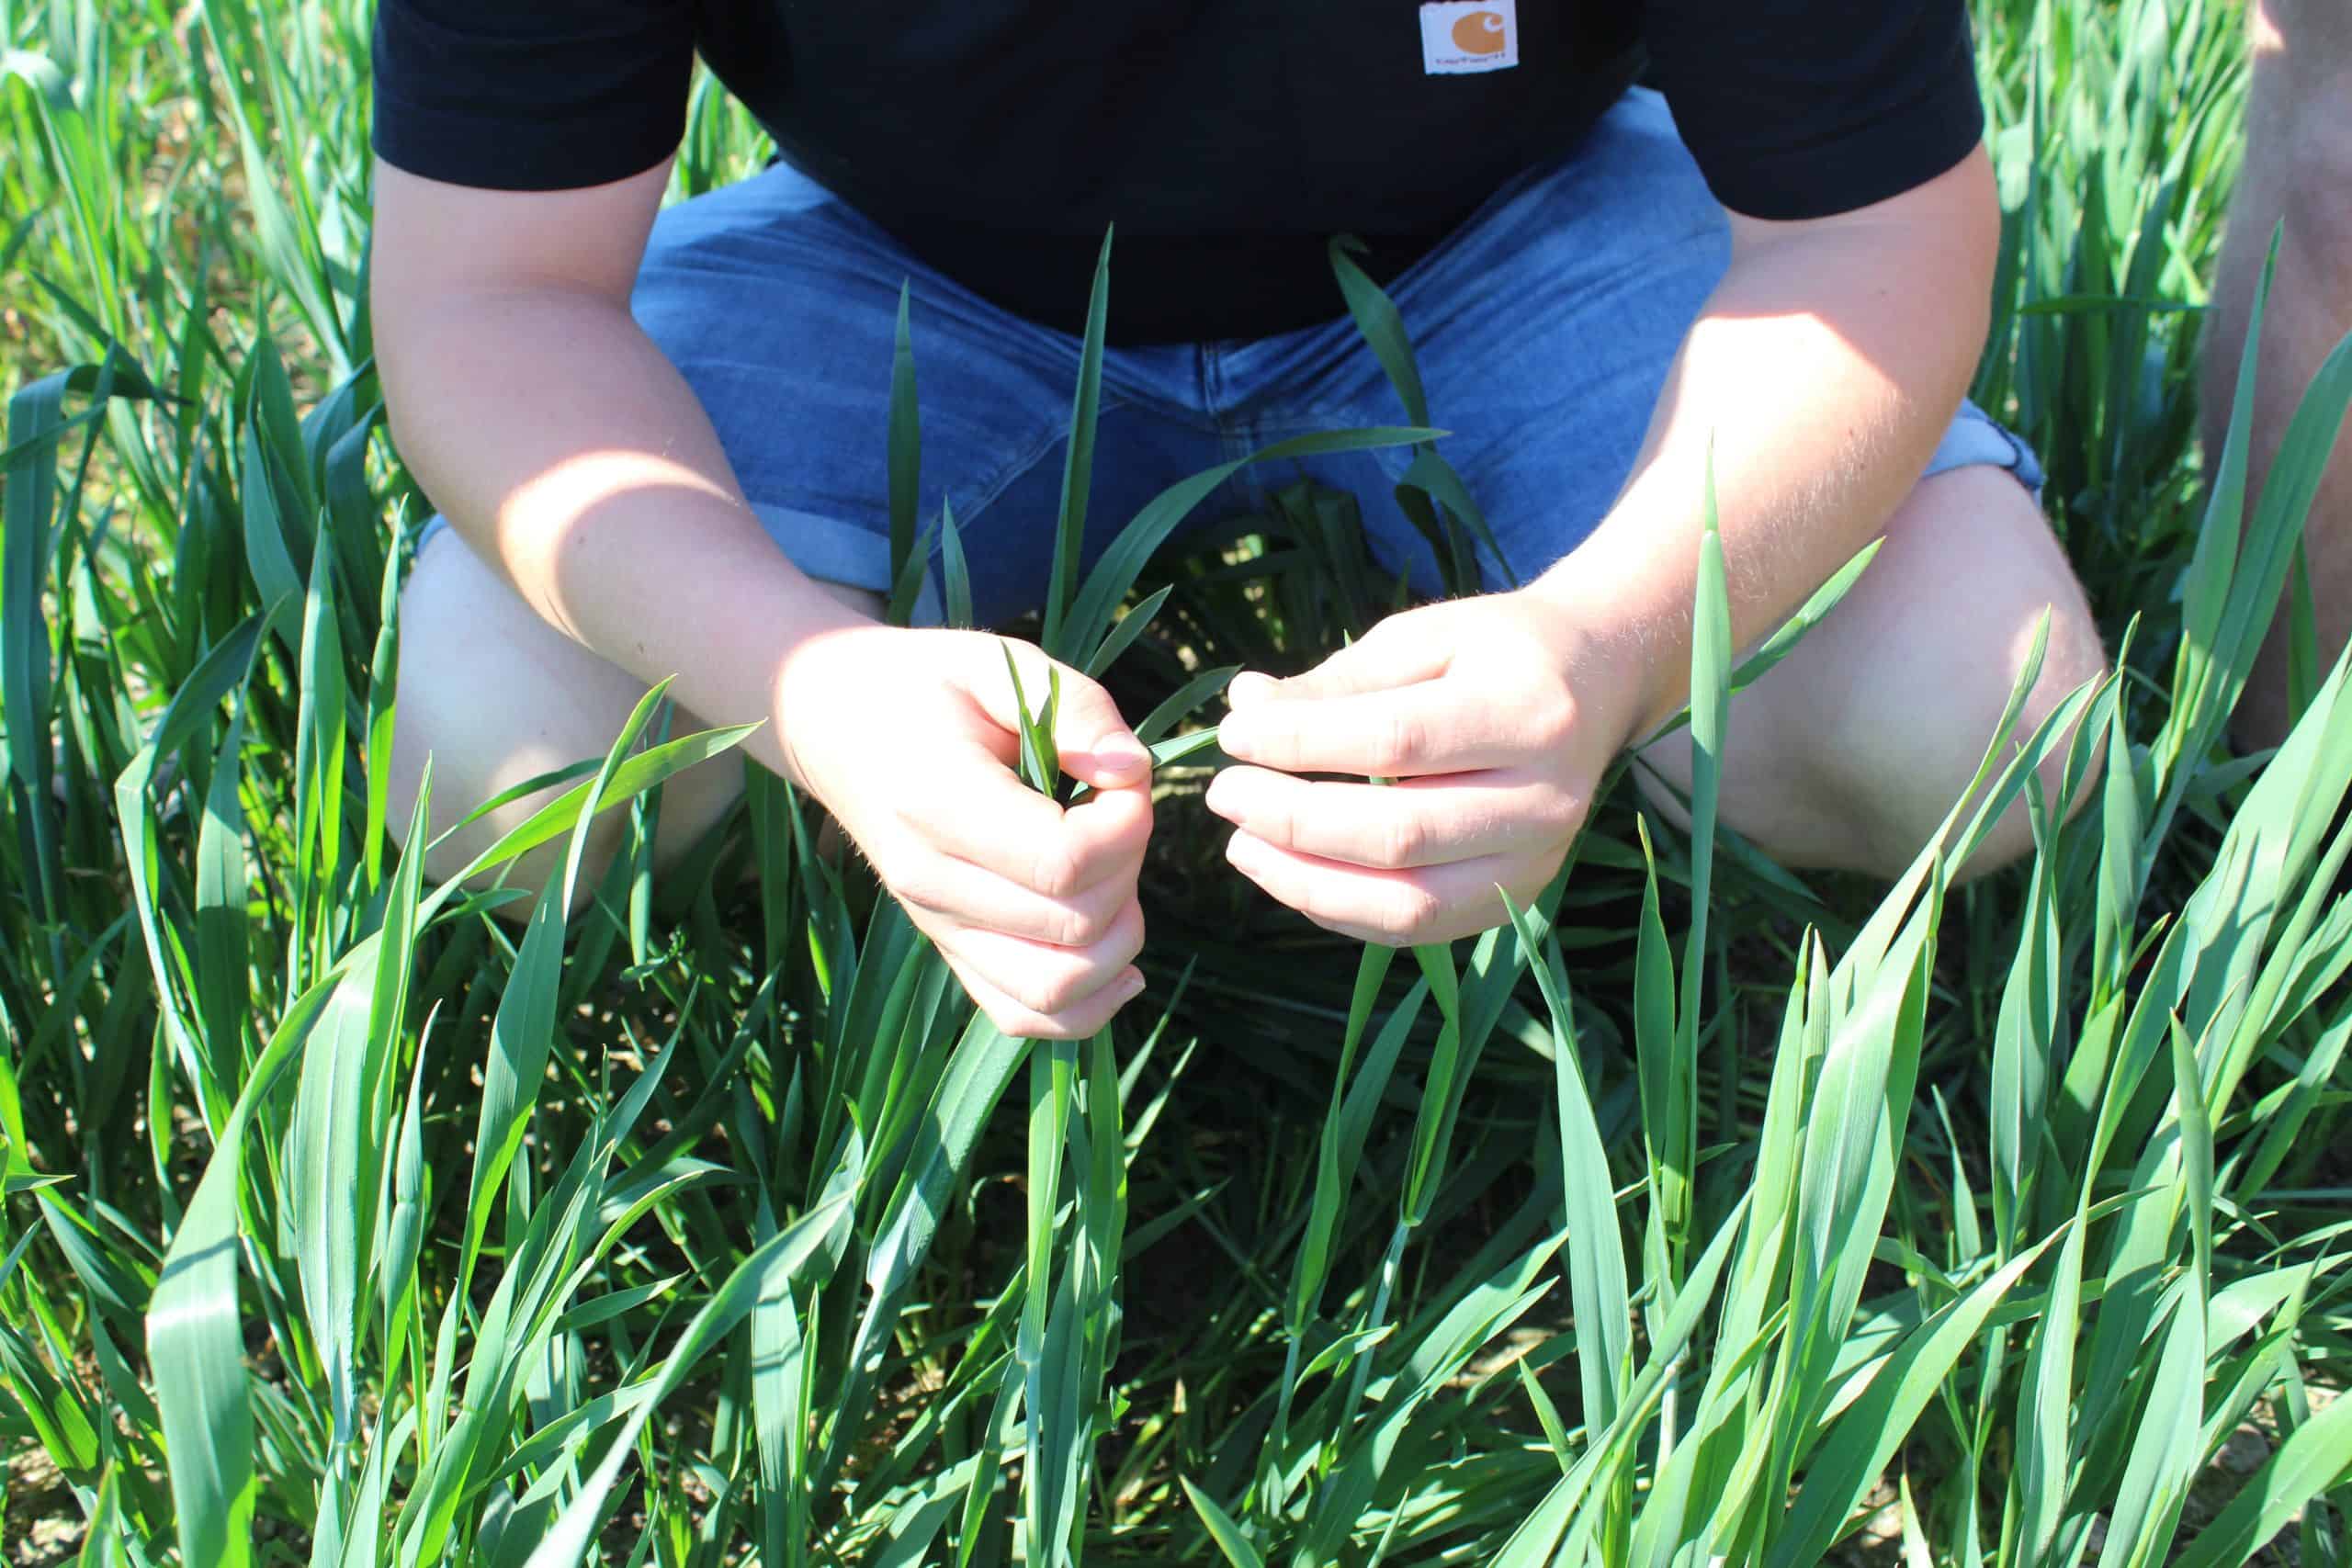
(496, 695)
(1850, 752)
(2298, 169)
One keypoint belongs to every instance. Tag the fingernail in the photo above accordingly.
(1132, 989)
(1218, 796)
(1248, 687)
(1122, 755)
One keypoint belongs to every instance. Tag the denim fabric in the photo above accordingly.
(1544, 327)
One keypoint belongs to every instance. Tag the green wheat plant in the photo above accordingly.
(1701, 1214)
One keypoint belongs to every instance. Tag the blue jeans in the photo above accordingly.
(1544, 327)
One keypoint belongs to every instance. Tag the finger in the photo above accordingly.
(1392, 908)
(981, 813)
(1376, 664)
(1432, 728)
(1048, 980)
(1418, 822)
(1095, 744)
(970, 895)
(1026, 1023)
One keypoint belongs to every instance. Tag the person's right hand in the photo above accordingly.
(908, 737)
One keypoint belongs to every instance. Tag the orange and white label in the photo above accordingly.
(1463, 36)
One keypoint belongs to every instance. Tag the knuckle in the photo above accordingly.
(1410, 912)
(1402, 842)
(1031, 992)
(1053, 991)
(1055, 872)
(1549, 718)
(1398, 742)
(1075, 926)
(1040, 985)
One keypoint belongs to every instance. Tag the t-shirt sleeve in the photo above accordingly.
(1804, 109)
(530, 94)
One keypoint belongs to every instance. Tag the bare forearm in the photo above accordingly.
(1817, 383)
(567, 452)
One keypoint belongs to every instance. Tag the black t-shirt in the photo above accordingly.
(1227, 138)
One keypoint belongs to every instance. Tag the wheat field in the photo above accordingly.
(1703, 1214)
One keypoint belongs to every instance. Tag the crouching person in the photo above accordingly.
(654, 437)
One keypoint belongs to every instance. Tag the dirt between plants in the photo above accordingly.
(42, 1526)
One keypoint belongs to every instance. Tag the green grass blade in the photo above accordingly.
(1222, 1529)
(2315, 1457)
(905, 465)
(1855, 1454)
(1597, 1279)
(958, 575)
(194, 1327)
(780, 1258)
(1078, 458)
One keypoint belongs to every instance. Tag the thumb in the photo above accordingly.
(1376, 663)
(1093, 744)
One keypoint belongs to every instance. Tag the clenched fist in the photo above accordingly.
(908, 737)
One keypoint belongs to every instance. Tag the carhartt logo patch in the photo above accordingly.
(1461, 36)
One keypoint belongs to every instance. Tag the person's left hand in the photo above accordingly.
(1496, 717)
